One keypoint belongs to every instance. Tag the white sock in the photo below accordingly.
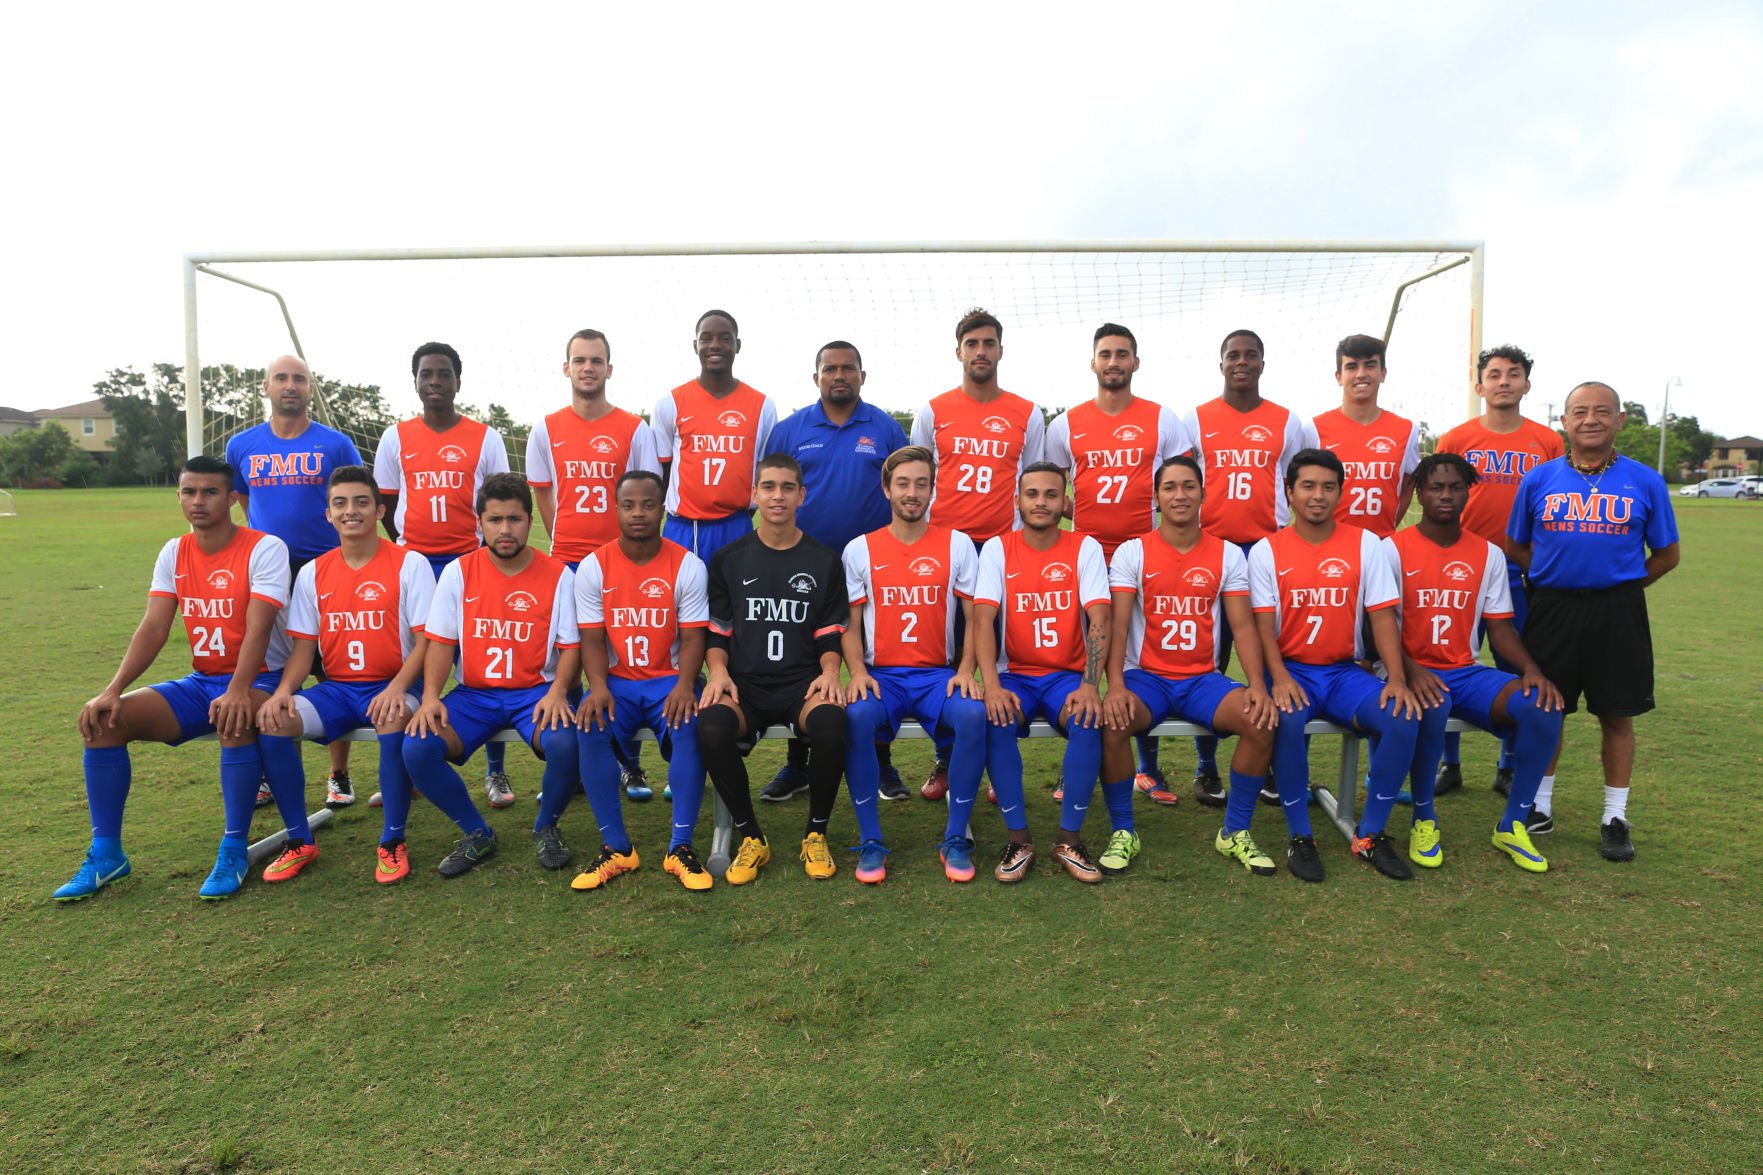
(1545, 792)
(1615, 804)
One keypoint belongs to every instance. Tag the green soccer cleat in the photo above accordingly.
(1240, 847)
(1123, 846)
(1515, 843)
(1424, 847)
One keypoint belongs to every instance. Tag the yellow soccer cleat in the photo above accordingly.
(609, 864)
(753, 855)
(817, 858)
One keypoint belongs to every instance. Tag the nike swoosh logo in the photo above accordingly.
(383, 869)
(1012, 575)
(1011, 808)
(326, 595)
(945, 424)
(107, 878)
(1152, 574)
(685, 419)
(749, 582)
(882, 566)
(558, 444)
(1080, 807)
(472, 599)
(1210, 435)
(860, 803)
(1285, 570)
(607, 591)
(177, 575)
(1416, 571)
(1382, 798)
(1294, 803)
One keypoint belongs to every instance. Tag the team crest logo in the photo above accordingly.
(803, 582)
(865, 445)
(221, 581)
(1458, 572)
(1057, 572)
(452, 454)
(1198, 578)
(732, 419)
(924, 565)
(1382, 446)
(522, 602)
(654, 589)
(995, 424)
(370, 591)
(1335, 568)
(605, 446)
(1128, 433)
(1257, 434)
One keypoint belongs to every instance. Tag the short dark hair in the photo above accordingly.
(504, 487)
(211, 466)
(1358, 347)
(1505, 351)
(437, 349)
(975, 318)
(1114, 328)
(1247, 334)
(1040, 467)
(638, 475)
(350, 474)
(1178, 459)
(779, 461)
(1455, 461)
(838, 345)
(1320, 457)
(591, 335)
(732, 324)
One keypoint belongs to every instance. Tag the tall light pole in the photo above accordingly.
(1665, 418)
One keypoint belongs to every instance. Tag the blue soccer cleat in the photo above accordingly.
(230, 867)
(95, 873)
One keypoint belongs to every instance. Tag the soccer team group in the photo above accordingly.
(715, 571)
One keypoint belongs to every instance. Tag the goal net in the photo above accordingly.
(509, 312)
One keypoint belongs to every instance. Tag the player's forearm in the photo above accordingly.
(1122, 618)
(596, 663)
(691, 655)
(1386, 636)
(1246, 635)
(830, 664)
(144, 648)
(851, 644)
(1659, 562)
(436, 664)
(1518, 553)
(984, 638)
(409, 672)
(1503, 636)
(299, 666)
(569, 670)
(545, 498)
(717, 660)
(1275, 663)
(259, 623)
(1096, 645)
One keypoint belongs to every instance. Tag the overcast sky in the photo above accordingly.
(1611, 154)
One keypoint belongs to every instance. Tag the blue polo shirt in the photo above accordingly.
(841, 469)
(283, 483)
(1591, 532)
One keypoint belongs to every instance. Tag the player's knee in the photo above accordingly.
(965, 722)
(424, 752)
(1433, 720)
(862, 719)
(826, 728)
(719, 728)
(557, 744)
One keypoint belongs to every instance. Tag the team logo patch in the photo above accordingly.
(1335, 568)
(1128, 433)
(605, 446)
(1199, 577)
(452, 454)
(925, 565)
(1257, 434)
(803, 582)
(866, 445)
(732, 419)
(370, 590)
(655, 588)
(1382, 446)
(221, 580)
(995, 424)
(522, 602)
(1056, 572)
(1458, 572)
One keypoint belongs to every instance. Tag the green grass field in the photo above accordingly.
(1183, 1017)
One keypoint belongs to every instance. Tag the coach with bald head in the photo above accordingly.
(1592, 529)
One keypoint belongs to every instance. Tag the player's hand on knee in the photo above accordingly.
(553, 711)
(276, 712)
(597, 709)
(1003, 708)
(1258, 707)
(389, 709)
(1119, 709)
(99, 716)
(1426, 686)
(827, 688)
(231, 713)
(431, 718)
(720, 691)
(1289, 696)
(1547, 696)
(861, 684)
(679, 706)
(1400, 701)
(1083, 707)
(967, 685)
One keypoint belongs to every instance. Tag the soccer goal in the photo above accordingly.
(6, 507)
(357, 316)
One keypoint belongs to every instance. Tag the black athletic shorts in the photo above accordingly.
(778, 706)
(1597, 643)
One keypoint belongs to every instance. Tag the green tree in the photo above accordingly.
(1687, 444)
(149, 414)
(36, 454)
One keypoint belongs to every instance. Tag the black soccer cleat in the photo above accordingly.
(1614, 842)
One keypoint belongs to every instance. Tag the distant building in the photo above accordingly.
(1737, 456)
(14, 419)
(89, 422)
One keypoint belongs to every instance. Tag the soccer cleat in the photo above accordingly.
(753, 855)
(1613, 840)
(339, 791)
(936, 785)
(956, 854)
(682, 863)
(473, 848)
(1076, 860)
(816, 857)
(1240, 847)
(1449, 779)
(609, 864)
(891, 786)
(553, 853)
(1013, 863)
(1503, 781)
(94, 874)
(1058, 793)
(1153, 788)
(1537, 822)
(872, 862)
(375, 800)
(636, 785)
(1303, 859)
(667, 791)
(992, 795)
(498, 789)
(294, 858)
(391, 863)
(789, 781)
(1208, 788)
(1380, 850)
(1515, 843)
(230, 867)
(1424, 847)
(265, 797)
(1270, 793)
(1123, 846)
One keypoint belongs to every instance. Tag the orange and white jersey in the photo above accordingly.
(1501, 459)
(1179, 601)
(714, 445)
(508, 628)
(1377, 457)
(365, 621)
(1445, 593)
(1042, 596)
(1113, 464)
(1319, 595)
(642, 607)
(981, 448)
(436, 476)
(1245, 455)
(213, 592)
(912, 593)
(583, 460)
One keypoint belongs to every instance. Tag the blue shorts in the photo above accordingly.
(919, 693)
(332, 709)
(189, 699)
(476, 714)
(1192, 699)
(1474, 690)
(1336, 691)
(706, 536)
(1042, 697)
(638, 704)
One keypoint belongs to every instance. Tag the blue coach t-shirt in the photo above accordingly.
(1591, 531)
(841, 469)
(284, 483)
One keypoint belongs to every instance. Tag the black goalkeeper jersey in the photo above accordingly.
(776, 612)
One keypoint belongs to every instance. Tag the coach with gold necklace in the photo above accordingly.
(1593, 529)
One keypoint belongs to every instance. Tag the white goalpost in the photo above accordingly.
(508, 310)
